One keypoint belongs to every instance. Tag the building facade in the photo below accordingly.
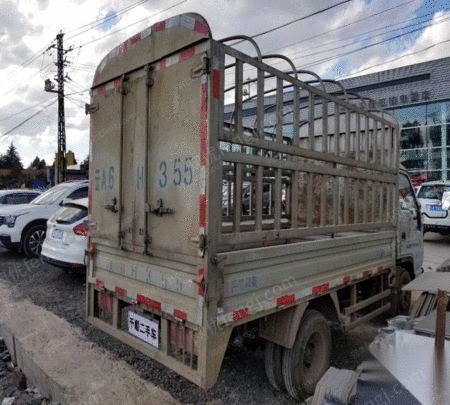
(419, 97)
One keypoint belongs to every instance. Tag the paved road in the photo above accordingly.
(437, 250)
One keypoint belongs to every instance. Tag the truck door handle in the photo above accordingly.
(159, 210)
(112, 207)
(403, 235)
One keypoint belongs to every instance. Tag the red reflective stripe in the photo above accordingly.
(202, 216)
(147, 301)
(179, 314)
(366, 273)
(106, 302)
(135, 38)
(320, 288)
(117, 83)
(100, 283)
(203, 124)
(101, 90)
(120, 290)
(379, 269)
(187, 53)
(216, 84)
(159, 26)
(162, 65)
(201, 27)
(200, 278)
(346, 279)
(240, 313)
(285, 300)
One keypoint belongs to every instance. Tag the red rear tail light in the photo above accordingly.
(81, 230)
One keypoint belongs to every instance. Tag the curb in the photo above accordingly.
(46, 385)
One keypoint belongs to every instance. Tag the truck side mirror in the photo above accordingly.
(446, 200)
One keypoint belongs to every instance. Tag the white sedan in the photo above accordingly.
(67, 236)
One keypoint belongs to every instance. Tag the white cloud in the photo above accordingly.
(27, 27)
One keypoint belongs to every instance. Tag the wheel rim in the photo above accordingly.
(36, 240)
(310, 364)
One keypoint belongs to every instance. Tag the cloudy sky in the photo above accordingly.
(354, 37)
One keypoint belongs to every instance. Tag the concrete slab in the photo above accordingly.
(64, 365)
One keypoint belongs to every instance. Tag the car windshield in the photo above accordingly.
(52, 196)
(433, 192)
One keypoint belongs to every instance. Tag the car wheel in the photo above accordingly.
(33, 240)
(273, 355)
(308, 360)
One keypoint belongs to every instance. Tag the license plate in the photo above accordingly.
(436, 208)
(56, 234)
(143, 328)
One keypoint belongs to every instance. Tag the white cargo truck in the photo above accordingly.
(214, 209)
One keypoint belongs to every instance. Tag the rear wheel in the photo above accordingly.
(308, 360)
(33, 240)
(273, 356)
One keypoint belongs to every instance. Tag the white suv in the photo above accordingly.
(24, 227)
(435, 218)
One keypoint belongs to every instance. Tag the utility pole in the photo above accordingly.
(60, 164)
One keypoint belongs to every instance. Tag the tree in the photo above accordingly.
(37, 164)
(85, 164)
(12, 159)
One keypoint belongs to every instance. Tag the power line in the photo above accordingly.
(300, 19)
(138, 22)
(22, 82)
(365, 33)
(380, 42)
(393, 60)
(343, 26)
(105, 19)
(26, 109)
(23, 65)
(360, 49)
(74, 101)
(29, 118)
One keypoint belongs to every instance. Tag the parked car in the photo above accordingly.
(67, 236)
(435, 218)
(24, 227)
(16, 197)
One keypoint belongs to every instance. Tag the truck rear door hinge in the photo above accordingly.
(90, 108)
(203, 69)
(202, 242)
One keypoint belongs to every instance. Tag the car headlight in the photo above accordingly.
(10, 220)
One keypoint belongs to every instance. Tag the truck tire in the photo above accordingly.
(308, 360)
(33, 240)
(273, 356)
(404, 297)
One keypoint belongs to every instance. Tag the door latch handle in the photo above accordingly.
(112, 207)
(159, 210)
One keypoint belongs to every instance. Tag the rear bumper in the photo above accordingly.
(443, 229)
(64, 265)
